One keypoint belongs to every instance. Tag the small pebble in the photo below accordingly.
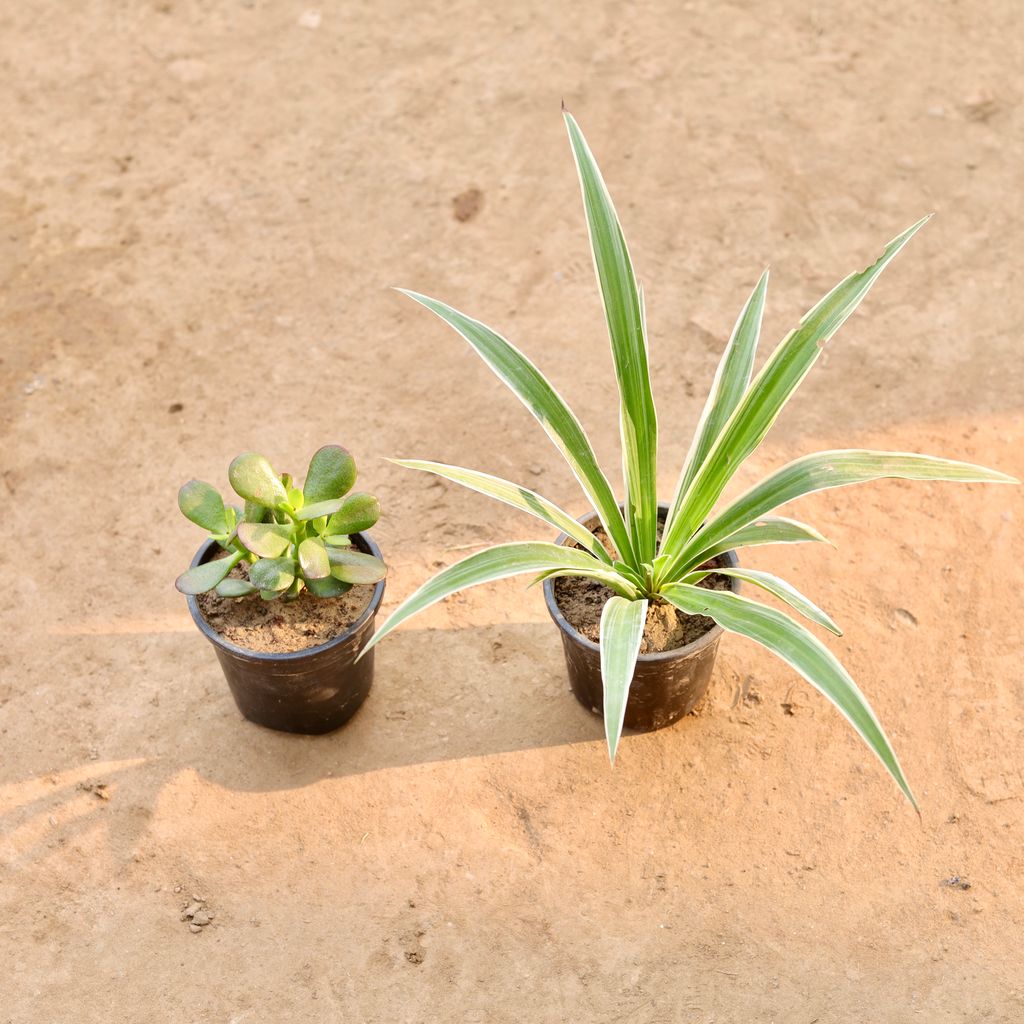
(194, 928)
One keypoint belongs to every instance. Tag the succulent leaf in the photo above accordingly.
(273, 574)
(359, 512)
(328, 587)
(254, 479)
(254, 513)
(268, 540)
(232, 587)
(319, 508)
(202, 504)
(313, 559)
(201, 578)
(355, 566)
(331, 474)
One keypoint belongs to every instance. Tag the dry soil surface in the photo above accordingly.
(204, 207)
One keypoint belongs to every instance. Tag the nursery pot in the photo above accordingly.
(666, 685)
(311, 691)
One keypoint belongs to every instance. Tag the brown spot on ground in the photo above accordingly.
(466, 205)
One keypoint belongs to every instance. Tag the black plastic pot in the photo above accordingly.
(312, 691)
(666, 686)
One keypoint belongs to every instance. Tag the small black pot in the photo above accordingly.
(312, 691)
(666, 686)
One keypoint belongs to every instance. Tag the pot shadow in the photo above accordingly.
(438, 695)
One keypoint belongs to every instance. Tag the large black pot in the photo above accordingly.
(666, 685)
(311, 691)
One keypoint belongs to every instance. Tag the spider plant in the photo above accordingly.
(739, 411)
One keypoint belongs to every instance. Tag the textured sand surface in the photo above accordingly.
(204, 207)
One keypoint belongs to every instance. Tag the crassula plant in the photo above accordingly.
(288, 539)
(639, 567)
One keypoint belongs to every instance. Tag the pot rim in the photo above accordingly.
(365, 541)
(711, 636)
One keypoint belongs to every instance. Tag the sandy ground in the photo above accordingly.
(204, 206)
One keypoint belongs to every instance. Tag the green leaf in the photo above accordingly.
(254, 513)
(202, 504)
(731, 380)
(359, 512)
(254, 479)
(622, 632)
(232, 587)
(768, 393)
(331, 474)
(353, 566)
(825, 470)
(295, 497)
(621, 584)
(528, 384)
(313, 559)
(514, 495)
(484, 566)
(638, 422)
(201, 578)
(328, 587)
(337, 540)
(273, 595)
(773, 585)
(273, 574)
(318, 509)
(800, 649)
(765, 530)
(268, 540)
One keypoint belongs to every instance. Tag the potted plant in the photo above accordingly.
(287, 588)
(644, 571)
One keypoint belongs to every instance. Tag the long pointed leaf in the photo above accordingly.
(773, 585)
(622, 632)
(530, 386)
(731, 380)
(769, 392)
(494, 563)
(825, 470)
(799, 648)
(766, 530)
(512, 494)
(625, 315)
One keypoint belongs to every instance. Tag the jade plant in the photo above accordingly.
(287, 539)
(637, 567)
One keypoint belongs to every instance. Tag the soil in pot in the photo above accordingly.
(277, 627)
(581, 601)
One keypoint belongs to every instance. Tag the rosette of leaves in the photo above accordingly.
(740, 409)
(288, 538)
